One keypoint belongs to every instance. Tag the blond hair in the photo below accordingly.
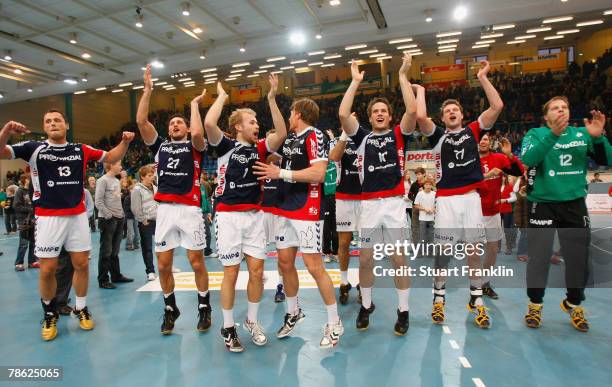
(236, 118)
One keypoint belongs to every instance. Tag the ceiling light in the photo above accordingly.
(209, 75)
(513, 64)
(447, 41)
(413, 51)
(298, 61)
(73, 38)
(267, 66)
(328, 65)
(554, 37)
(302, 69)
(30, 90)
(334, 3)
(80, 92)
(166, 86)
(182, 80)
(7, 55)
(320, 52)
(287, 67)
(447, 46)
(568, 32)
(402, 40)
(557, 19)
(460, 13)
(405, 46)
(252, 75)
(428, 19)
(297, 38)
(243, 47)
(139, 19)
(154, 79)
(237, 71)
(117, 91)
(446, 50)
(355, 47)
(185, 8)
(138, 87)
(385, 57)
(524, 37)
(208, 70)
(85, 55)
(83, 79)
(417, 53)
(276, 72)
(485, 41)
(495, 35)
(315, 64)
(503, 26)
(242, 64)
(197, 30)
(70, 81)
(231, 78)
(203, 54)
(188, 84)
(377, 55)
(589, 23)
(210, 81)
(318, 36)
(481, 45)
(540, 29)
(276, 59)
(328, 57)
(101, 88)
(125, 84)
(170, 88)
(1, 95)
(160, 83)
(516, 41)
(445, 34)
(368, 52)
(157, 64)
(260, 71)
(608, 12)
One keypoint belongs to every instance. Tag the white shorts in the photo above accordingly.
(347, 215)
(179, 225)
(53, 232)
(240, 233)
(493, 228)
(459, 218)
(383, 221)
(269, 220)
(303, 234)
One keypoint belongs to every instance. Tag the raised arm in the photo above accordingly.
(335, 154)
(213, 132)
(348, 121)
(121, 149)
(276, 139)
(10, 128)
(197, 133)
(147, 130)
(489, 116)
(408, 122)
(425, 123)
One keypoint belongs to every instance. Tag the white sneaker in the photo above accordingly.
(175, 269)
(258, 335)
(331, 335)
(213, 255)
(151, 277)
(326, 258)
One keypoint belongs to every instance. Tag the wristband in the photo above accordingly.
(286, 175)
(344, 137)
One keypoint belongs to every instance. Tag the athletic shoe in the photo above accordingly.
(326, 258)
(358, 294)
(353, 243)
(169, 318)
(230, 337)
(290, 321)
(482, 319)
(65, 310)
(175, 269)
(280, 294)
(334, 258)
(363, 318)
(85, 320)
(344, 293)
(331, 335)
(19, 268)
(35, 265)
(258, 335)
(437, 313)
(49, 326)
(576, 315)
(212, 255)
(488, 291)
(204, 318)
(123, 279)
(556, 259)
(533, 318)
(402, 323)
(522, 258)
(151, 277)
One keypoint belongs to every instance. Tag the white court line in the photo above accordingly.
(478, 382)
(453, 344)
(446, 330)
(9, 238)
(464, 362)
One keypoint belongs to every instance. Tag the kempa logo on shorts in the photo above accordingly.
(230, 255)
(551, 173)
(279, 238)
(51, 183)
(451, 165)
(160, 244)
(47, 249)
(371, 168)
(343, 223)
(541, 222)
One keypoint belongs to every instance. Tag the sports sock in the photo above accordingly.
(170, 301)
(203, 299)
(476, 296)
(344, 277)
(80, 303)
(403, 295)
(366, 297)
(228, 318)
(252, 310)
(332, 314)
(292, 305)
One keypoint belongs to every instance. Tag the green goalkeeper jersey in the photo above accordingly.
(558, 164)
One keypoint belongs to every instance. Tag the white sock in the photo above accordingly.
(332, 314)
(228, 318)
(252, 310)
(46, 302)
(292, 305)
(80, 303)
(486, 279)
(166, 295)
(366, 297)
(402, 295)
(203, 294)
(344, 277)
(280, 279)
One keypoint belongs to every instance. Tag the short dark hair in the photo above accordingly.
(308, 109)
(420, 170)
(178, 115)
(381, 100)
(53, 110)
(450, 102)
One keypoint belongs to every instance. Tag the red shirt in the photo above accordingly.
(490, 189)
(505, 208)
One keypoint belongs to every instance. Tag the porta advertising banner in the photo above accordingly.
(422, 158)
(599, 204)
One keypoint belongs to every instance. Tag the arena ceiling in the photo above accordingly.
(108, 48)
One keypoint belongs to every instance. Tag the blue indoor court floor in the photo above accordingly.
(127, 349)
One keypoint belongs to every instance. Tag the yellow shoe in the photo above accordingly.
(482, 319)
(86, 322)
(437, 313)
(533, 318)
(576, 316)
(49, 327)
